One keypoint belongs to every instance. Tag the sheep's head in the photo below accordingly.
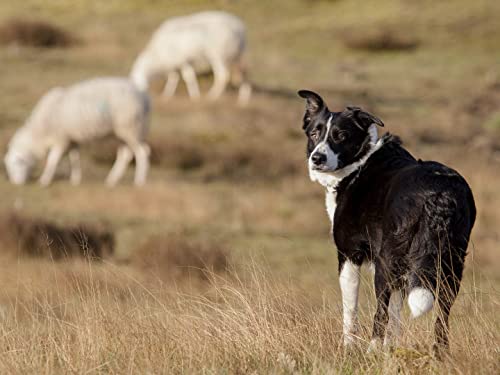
(141, 72)
(18, 165)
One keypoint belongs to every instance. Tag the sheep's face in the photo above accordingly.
(19, 166)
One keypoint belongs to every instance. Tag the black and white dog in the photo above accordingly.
(411, 219)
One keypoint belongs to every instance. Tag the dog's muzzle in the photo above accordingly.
(318, 159)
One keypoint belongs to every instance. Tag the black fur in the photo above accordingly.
(411, 218)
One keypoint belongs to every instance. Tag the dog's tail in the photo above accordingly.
(420, 301)
(421, 287)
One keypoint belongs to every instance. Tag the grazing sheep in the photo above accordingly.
(194, 44)
(67, 117)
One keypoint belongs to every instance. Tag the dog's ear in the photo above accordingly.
(363, 118)
(314, 102)
(314, 105)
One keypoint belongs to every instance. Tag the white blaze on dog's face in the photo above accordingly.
(322, 158)
(337, 141)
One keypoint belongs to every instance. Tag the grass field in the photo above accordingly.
(231, 183)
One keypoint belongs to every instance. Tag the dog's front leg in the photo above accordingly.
(349, 285)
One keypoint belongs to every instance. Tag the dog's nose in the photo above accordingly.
(318, 158)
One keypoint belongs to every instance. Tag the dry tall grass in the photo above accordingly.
(91, 318)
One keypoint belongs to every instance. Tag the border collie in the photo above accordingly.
(410, 218)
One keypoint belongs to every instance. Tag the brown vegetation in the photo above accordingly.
(35, 33)
(39, 238)
(379, 39)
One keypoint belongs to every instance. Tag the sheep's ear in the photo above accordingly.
(363, 118)
(314, 105)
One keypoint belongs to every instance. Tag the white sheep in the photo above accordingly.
(67, 117)
(192, 44)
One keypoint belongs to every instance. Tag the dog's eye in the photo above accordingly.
(315, 135)
(340, 136)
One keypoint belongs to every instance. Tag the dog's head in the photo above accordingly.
(336, 140)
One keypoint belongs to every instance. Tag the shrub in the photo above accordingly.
(39, 238)
(35, 33)
(379, 39)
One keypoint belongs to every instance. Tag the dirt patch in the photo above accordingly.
(35, 33)
(39, 238)
(175, 257)
(379, 39)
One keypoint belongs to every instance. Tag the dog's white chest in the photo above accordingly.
(331, 204)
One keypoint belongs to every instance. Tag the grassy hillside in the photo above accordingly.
(233, 181)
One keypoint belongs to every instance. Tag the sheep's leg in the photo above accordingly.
(141, 152)
(170, 85)
(123, 157)
(221, 78)
(244, 93)
(239, 78)
(189, 76)
(237, 73)
(55, 155)
(76, 171)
